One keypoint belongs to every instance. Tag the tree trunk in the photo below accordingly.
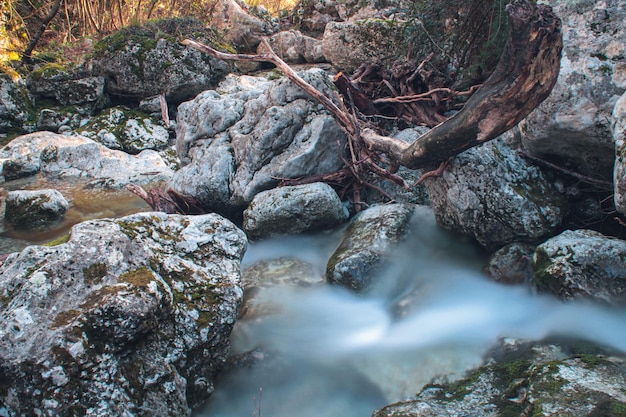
(524, 77)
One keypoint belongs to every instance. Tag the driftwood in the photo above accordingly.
(523, 78)
(168, 201)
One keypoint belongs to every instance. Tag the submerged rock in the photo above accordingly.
(492, 194)
(238, 140)
(545, 381)
(61, 156)
(582, 264)
(368, 241)
(294, 210)
(129, 317)
(34, 209)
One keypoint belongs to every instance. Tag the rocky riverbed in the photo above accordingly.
(496, 287)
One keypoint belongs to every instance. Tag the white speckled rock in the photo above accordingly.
(619, 140)
(129, 317)
(582, 264)
(494, 195)
(293, 210)
(33, 209)
(61, 156)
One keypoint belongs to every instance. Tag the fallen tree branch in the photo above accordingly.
(523, 78)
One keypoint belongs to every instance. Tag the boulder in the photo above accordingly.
(294, 210)
(544, 381)
(128, 130)
(143, 61)
(582, 264)
(347, 45)
(34, 209)
(369, 241)
(575, 118)
(511, 264)
(241, 29)
(15, 103)
(59, 156)
(294, 47)
(250, 132)
(619, 141)
(68, 87)
(129, 317)
(492, 194)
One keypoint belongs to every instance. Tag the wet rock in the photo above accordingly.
(143, 61)
(57, 120)
(492, 194)
(128, 130)
(370, 237)
(545, 381)
(582, 264)
(237, 141)
(129, 317)
(294, 47)
(511, 264)
(55, 156)
(34, 209)
(576, 116)
(15, 103)
(294, 210)
(619, 140)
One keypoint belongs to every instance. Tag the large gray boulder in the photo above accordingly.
(143, 61)
(572, 126)
(32, 209)
(241, 138)
(545, 381)
(294, 210)
(59, 156)
(68, 87)
(294, 47)
(129, 317)
(494, 195)
(582, 264)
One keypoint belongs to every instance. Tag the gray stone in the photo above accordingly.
(545, 381)
(369, 239)
(238, 140)
(60, 156)
(511, 264)
(572, 126)
(35, 209)
(241, 29)
(129, 317)
(294, 47)
(294, 210)
(141, 62)
(619, 140)
(347, 45)
(15, 103)
(582, 264)
(492, 194)
(130, 131)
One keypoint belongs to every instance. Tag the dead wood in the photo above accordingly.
(168, 201)
(524, 77)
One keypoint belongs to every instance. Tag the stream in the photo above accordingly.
(327, 352)
(324, 351)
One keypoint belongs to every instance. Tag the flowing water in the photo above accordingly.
(327, 352)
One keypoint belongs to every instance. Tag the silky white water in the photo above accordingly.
(433, 315)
